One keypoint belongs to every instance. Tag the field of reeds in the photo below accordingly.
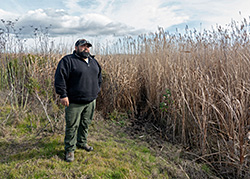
(193, 87)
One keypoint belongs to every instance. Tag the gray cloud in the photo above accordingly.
(58, 22)
(128, 17)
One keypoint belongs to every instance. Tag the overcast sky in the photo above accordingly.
(120, 17)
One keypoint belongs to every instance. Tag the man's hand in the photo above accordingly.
(65, 101)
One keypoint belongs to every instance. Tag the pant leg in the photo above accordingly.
(86, 118)
(72, 117)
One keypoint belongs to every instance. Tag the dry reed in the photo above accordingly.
(209, 79)
(206, 77)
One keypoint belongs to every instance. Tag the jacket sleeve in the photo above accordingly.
(61, 77)
(99, 76)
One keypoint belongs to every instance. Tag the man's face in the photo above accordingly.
(82, 48)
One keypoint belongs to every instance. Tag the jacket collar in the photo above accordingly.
(74, 52)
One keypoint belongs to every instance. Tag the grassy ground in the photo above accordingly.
(118, 153)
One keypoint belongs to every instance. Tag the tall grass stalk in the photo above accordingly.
(207, 74)
(209, 79)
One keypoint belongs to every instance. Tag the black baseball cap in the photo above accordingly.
(83, 42)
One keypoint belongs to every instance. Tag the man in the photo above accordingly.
(77, 80)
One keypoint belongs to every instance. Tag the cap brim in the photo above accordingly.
(89, 44)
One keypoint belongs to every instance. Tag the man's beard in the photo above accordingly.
(83, 54)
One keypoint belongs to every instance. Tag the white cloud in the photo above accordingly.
(212, 12)
(61, 23)
(128, 17)
(140, 14)
(149, 14)
(7, 15)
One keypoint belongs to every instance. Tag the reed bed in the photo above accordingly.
(194, 86)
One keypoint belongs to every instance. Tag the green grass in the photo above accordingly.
(114, 156)
(117, 154)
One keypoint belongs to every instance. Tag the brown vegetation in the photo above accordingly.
(203, 82)
(194, 86)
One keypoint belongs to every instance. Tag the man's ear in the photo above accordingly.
(76, 48)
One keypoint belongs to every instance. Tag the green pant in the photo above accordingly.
(78, 118)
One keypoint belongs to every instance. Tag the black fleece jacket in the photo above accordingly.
(78, 80)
